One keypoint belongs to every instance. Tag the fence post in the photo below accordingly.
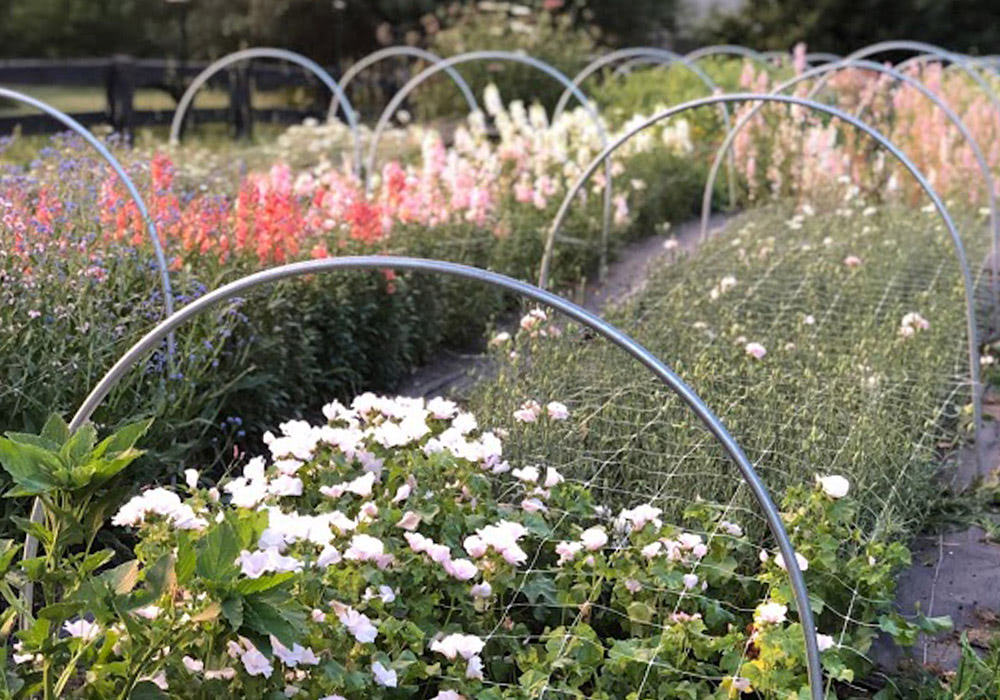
(121, 94)
(240, 107)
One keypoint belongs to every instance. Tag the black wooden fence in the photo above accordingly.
(121, 76)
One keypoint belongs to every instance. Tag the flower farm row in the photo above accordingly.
(576, 533)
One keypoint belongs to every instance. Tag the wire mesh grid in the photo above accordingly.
(842, 389)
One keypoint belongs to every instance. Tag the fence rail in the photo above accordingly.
(122, 76)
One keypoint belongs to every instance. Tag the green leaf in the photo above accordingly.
(217, 552)
(122, 578)
(55, 430)
(160, 577)
(31, 467)
(8, 550)
(122, 440)
(60, 611)
(274, 612)
(184, 567)
(95, 561)
(232, 610)
(79, 445)
(264, 583)
(147, 690)
(36, 530)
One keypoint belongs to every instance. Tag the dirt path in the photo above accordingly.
(453, 373)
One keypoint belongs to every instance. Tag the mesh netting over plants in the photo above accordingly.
(829, 344)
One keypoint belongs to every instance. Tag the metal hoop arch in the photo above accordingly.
(652, 55)
(862, 64)
(102, 150)
(659, 55)
(391, 52)
(822, 57)
(526, 290)
(729, 50)
(265, 52)
(969, 287)
(555, 73)
(920, 47)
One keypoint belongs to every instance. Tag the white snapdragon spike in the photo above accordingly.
(834, 486)
(770, 613)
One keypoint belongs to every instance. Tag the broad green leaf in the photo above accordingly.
(32, 468)
(123, 577)
(232, 609)
(264, 583)
(217, 552)
(79, 445)
(122, 440)
(36, 530)
(56, 430)
(160, 577)
(185, 558)
(274, 612)
(60, 611)
(96, 560)
(147, 690)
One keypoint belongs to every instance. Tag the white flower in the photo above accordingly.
(824, 642)
(82, 629)
(383, 676)
(255, 564)
(756, 350)
(527, 474)
(770, 613)
(285, 485)
(464, 645)
(481, 590)
(802, 561)
(642, 515)
(731, 528)
(632, 585)
(533, 505)
(690, 581)
(448, 695)
(567, 551)
(159, 501)
(552, 478)
(297, 655)
(149, 612)
(410, 521)
(528, 412)
(912, 323)
(191, 478)
(364, 548)
(442, 409)
(500, 338)
(594, 538)
(852, 261)
(461, 569)
(474, 668)
(255, 663)
(834, 486)
(357, 623)
(474, 546)
(557, 410)
(193, 665)
(464, 423)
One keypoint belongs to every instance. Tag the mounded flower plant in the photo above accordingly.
(393, 552)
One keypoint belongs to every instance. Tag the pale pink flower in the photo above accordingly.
(594, 538)
(770, 613)
(852, 261)
(410, 521)
(528, 412)
(557, 410)
(756, 350)
(383, 676)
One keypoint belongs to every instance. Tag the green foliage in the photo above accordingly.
(840, 26)
(588, 604)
